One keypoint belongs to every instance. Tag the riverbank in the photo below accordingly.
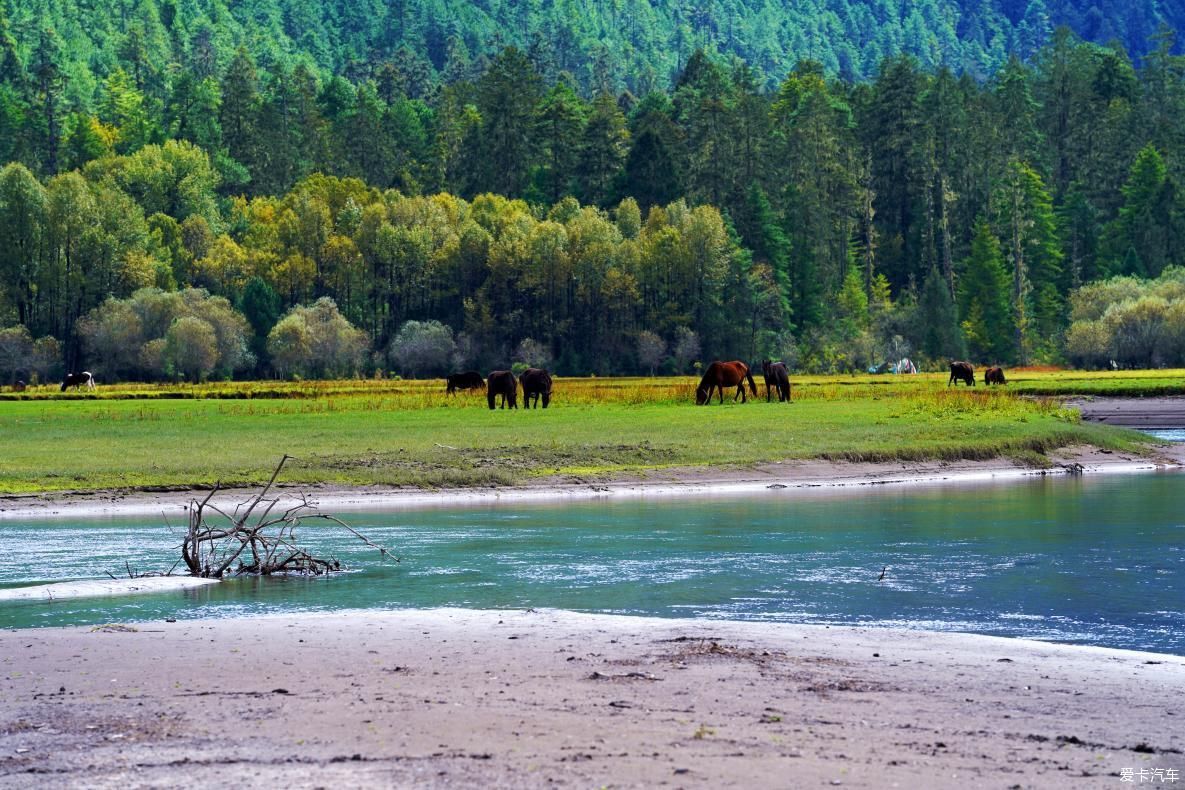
(527, 699)
(433, 442)
(787, 477)
(1133, 412)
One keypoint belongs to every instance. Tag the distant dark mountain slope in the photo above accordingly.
(633, 44)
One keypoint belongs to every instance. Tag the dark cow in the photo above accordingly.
(962, 371)
(994, 375)
(724, 374)
(19, 386)
(78, 380)
(502, 382)
(536, 383)
(469, 380)
(776, 376)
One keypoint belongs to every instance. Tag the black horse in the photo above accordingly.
(536, 383)
(469, 380)
(77, 380)
(503, 383)
(776, 376)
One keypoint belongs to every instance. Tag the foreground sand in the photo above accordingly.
(530, 699)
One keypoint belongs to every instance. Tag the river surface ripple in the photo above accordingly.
(1088, 560)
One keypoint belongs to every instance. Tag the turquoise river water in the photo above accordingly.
(1091, 560)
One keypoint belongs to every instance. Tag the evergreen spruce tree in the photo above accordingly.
(603, 149)
(239, 110)
(938, 330)
(806, 291)
(764, 236)
(1137, 241)
(651, 173)
(507, 95)
(559, 124)
(984, 309)
(1029, 227)
(48, 71)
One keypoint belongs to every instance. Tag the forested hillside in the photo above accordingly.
(832, 221)
(636, 45)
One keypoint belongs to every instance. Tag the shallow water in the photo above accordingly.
(1168, 434)
(1094, 560)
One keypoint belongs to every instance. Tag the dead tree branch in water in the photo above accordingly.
(235, 544)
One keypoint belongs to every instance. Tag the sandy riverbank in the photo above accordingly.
(531, 699)
(1165, 412)
(787, 477)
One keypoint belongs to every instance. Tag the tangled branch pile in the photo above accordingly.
(255, 538)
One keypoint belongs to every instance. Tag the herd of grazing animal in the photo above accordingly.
(736, 374)
(965, 372)
(502, 387)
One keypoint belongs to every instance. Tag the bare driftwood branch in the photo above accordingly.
(237, 544)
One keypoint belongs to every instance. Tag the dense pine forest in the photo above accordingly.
(289, 189)
(614, 45)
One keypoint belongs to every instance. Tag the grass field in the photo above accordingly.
(429, 393)
(410, 433)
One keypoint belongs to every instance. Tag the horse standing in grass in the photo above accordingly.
(469, 380)
(536, 383)
(994, 375)
(776, 376)
(78, 380)
(962, 371)
(724, 374)
(502, 383)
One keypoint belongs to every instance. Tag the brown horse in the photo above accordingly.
(503, 383)
(536, 382)
(994, 375)
(962, 371)
(776, 376)
(724, 374)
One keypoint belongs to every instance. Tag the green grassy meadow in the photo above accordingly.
(408, 433)
(430, 393)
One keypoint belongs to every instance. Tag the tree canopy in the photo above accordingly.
(715, 210)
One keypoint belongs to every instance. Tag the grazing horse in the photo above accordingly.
(469, 380)
(962, 371)
(19, 386)
(777, 376)
(536, 382)
(994, 375)
(502, 382)
(77, 380)
(724, 374)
